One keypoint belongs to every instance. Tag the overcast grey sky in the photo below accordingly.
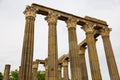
(12, 23)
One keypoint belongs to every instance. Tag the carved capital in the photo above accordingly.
(59, 67)
(65, 63)
(89, 27)
(46, 67)
(52, 18)
(46, 63)
(105, 31)
(71, 22)
(35, 65)
(82, 50)
(30, 11)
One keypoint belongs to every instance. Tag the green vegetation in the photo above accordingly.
(14, 75)
(41, 75)
(1, 76)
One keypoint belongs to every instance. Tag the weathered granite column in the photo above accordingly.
(83, 63)
(113, 71)
(35, 71)
(73, 50)
(59, 71)
(65, 70)
(92, 52)
(28, 44)
(52, 47)
(6, 72)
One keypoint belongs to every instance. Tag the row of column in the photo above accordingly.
(64, 65)
(92, 52)
(27, 51)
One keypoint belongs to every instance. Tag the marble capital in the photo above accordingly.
(35, 65)
(52, 18)
(65, 63)
(46, 67)
(82, 50)
(71, 22)
(30, 11)
(105, 32)
(59, 67)
(88, 27)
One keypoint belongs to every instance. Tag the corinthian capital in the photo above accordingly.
(82, 50)
(65, 63)
(30, 11)
(52, 18)
(105, 31)
(71, 22)
(35, 65)
(88, 27)
(59, 67)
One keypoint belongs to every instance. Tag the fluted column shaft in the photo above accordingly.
(52, 47)
(35, 71)
(73, 50)
(34, 75)
(83, 63)
(46, 72)
(65, 70)
(6, 72)
(28, 44)
(59, 71)
(92, 52)
(112, 67)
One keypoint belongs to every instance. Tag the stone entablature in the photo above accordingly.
(64, 16)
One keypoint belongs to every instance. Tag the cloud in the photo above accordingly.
(12, 27)
(102, 4)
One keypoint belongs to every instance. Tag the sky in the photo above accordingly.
(12, 24)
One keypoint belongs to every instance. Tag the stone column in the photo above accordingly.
(92, 51)
(46, 69)
(73, 49)
(113, 71)
(83, 63)
(35, 71)
(28, 44)
(46, 72)
(19, 73)
(65, 70)
(52, 47)
(59, 71)
(6, 72)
